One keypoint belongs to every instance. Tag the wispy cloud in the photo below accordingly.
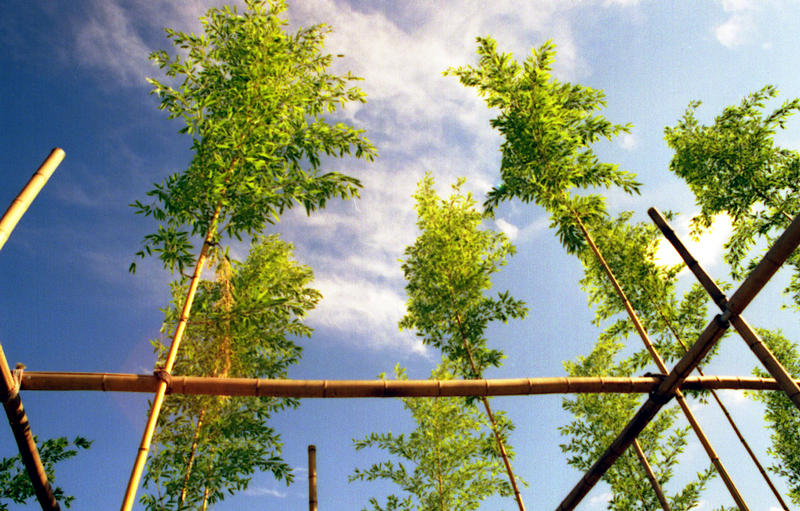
(265, 492)
(739, 27)
(708, 249)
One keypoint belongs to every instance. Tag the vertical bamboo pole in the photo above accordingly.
(20, 205)
(312, 478)
(754, 342)
(651, 476)
(18, 420)
(723, 472)
(158, 400)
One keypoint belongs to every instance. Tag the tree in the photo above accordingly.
(253, 100)
(548, 129)
(597, 418)
(449, 462)
(781, 414)
(631, 249)
(448, 270)
(15, 485)
(243, 327)
(735, 167)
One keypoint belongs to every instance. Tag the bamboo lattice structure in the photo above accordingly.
(661, 389)
(754, 282)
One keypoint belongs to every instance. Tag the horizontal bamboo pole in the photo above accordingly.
(110, 382)
(20, 205)
(755, 281)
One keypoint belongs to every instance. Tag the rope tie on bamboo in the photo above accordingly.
(16, 377)
(162, 374)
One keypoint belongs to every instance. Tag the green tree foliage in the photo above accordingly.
(253, 99)
(448, 270)
(630, 252)
(448, 463)
(734, 166)
(15, 485)
(548, 128)
(598, 418)
(781, 414)
(243, 327)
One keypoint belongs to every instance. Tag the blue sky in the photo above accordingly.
(73, 76)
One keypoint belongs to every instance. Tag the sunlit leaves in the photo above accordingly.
(448, 272)
(244, 325)
(548, 128)
(15, 484)
(253, 99)
(448, 463)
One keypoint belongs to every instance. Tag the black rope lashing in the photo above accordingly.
(163, 375)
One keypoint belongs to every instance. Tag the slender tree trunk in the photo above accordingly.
(190, 461)
(158, 400)
(662, 499)
(734, 491)
(489, 414)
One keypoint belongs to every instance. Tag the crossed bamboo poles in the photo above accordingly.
(661, 391)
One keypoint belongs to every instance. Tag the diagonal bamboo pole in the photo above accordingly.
(755, 281)
(749, 335)
(348, 389)
(158, 400)
(18, 420)
(698, 430)
(662, 499)
(728, 416)
(12, 403)
(20, 205)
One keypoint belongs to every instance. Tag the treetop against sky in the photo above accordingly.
(73, 76)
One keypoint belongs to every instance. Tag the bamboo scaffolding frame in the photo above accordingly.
(747, 333)
(312, 478)
(348, 389)
(20, 204)
(687, 412)
(17, 418)
(755, 281)
(651, 476)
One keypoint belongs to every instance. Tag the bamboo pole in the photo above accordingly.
(312, 478)
(352, 389)
(749, 335)
(754, 282)
(20, 205)
(158, 400)
(21, 428)
(698, 430)
(662, 499)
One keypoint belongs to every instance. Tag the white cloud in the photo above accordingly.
(708, 249)
(363, 310)
(628, 141)
(509, 229)
(739, 28)
(599, 501)
(265, 492)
